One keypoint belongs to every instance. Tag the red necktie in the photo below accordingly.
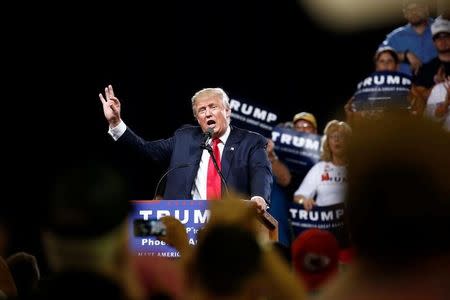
(213, 182)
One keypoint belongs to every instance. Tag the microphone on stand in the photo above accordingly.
(167, 173)
(207, 135)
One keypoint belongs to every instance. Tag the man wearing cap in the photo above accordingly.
(436, 70)
(315, 258)
(305, 122)
(302, 122)
(413, 41)
(285, 182)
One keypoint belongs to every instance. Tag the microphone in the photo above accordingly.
(207, 135)
(167, 173)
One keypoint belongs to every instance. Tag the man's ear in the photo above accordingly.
(228, 112)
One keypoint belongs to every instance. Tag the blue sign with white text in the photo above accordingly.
(329, 218)
(383, 91)
(298, 150)
(253, 117)
(144, 227)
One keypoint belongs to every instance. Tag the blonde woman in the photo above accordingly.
(326, 181)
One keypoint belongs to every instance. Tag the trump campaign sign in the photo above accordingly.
(145, 228)
(383, 91)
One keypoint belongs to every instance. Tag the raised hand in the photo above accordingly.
(176, 235)
(440, 75)
(414, 62)
(111, 106)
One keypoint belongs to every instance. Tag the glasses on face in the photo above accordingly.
(336, 136)
(303, 126)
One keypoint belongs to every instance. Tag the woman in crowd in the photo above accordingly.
(326, 181)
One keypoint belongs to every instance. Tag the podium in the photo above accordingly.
(268, 226)
(193, 214)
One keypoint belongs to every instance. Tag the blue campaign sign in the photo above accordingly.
(191, 213)
(383, 91)
(329, 218)
(298, 150)
(254, 117)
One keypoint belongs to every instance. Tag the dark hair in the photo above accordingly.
(397, 203)
(25, 272)
(87, 201)
(227, 256)
(389, 50)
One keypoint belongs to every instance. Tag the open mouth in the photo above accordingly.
(211, 123)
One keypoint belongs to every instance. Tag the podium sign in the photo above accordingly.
(192, 214)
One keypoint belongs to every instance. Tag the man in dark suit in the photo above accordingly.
(241, 154)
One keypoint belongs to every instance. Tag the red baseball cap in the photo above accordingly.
(315, 255)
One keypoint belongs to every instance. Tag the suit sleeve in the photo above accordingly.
(260, 171)
(159, 150)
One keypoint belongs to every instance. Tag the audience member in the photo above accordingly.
(413, 41)
(285, 181)
(315, 254)
(436, 70)
(325, 183)
(85, 236)
(398, 212)
(7, 286)
(385, 59)
(25, 272)
(230, 261)
(438, 104)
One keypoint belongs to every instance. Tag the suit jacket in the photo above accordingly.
(245, 165)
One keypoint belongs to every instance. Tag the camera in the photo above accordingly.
(153, 227)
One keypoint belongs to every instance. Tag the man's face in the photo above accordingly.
(211, 113)
(442, 42)
(416, 13)
(304, 126)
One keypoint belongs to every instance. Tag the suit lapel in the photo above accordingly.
(228, 152)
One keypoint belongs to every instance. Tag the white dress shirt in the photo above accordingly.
(199, 188)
